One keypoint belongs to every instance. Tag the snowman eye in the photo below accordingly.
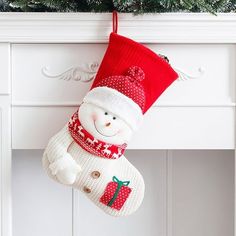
(106, 113)
(114, 118)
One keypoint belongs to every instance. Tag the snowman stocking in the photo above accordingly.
(88, 153)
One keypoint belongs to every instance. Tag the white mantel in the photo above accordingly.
(31, 34)
(94, 27)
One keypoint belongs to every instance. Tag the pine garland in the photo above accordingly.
(132, 6)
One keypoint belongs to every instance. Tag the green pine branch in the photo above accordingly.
(132, 6)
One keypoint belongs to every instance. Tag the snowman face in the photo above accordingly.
(104, 125)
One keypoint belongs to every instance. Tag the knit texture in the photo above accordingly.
(108, 168)
(130, 79)
(123, 53)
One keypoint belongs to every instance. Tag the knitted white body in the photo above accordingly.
(88, 163)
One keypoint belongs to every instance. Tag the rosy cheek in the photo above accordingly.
(94, 117)
(120, 131)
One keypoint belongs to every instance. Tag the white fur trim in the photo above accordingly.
(117, 103)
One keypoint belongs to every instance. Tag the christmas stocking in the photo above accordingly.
(87, 153)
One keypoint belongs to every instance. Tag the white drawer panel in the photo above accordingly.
(209, 125)
(33, 126)
(31, 85)
(163, 127)
(215, 86)
(186, 128)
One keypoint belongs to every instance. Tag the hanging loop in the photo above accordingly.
(115, 21)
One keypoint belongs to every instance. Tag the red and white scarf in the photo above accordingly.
(92, 145)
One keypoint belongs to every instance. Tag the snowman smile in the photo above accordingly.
(105, 135)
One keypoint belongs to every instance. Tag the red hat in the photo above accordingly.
(130, 79)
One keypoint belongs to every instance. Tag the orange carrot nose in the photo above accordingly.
(108, 124)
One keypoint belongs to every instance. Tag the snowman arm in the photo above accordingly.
(58, 145)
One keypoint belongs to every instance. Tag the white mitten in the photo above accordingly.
(65, 169)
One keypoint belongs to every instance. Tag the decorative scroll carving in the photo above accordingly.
(184, 76)
(84, 73)
(87, 72)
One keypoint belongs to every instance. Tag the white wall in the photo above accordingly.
(40, 206)
(187, 193)
(203, 193)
